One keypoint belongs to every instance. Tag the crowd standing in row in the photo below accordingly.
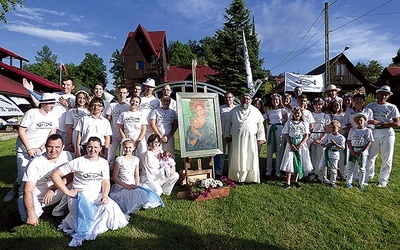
(67, 148)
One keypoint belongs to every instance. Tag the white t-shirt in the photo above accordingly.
(275, 116)
(74, 115)
(147, 105)
(39, 171)
(224, 111)
(172, 105)
(132, 122)
(164, 119)
(37, 126)
(339, 140)
(91, 126)
(60, 111)
(321, 121)
(349, 117)
(384, 112)
(296, 128)
(359, 138)
(115, 110)
(88, 175)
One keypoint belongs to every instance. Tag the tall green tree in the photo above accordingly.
(396, 59)
(7, 6)
(46, 65)
(92, 70)
(181, 54)
(370, 70)
(228, 51)
(117, 70)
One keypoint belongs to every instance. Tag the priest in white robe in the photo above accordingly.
(245, 131)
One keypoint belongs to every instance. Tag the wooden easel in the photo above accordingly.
(189, 176)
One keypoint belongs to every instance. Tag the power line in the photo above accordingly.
(299, 41)
(355, 19)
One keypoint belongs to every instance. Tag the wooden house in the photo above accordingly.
(145, 55)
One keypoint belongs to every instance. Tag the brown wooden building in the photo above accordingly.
(145, 56)
(343, 74)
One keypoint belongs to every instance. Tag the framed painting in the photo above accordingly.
(199, 120)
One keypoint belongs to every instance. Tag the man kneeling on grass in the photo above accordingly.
(38, 188)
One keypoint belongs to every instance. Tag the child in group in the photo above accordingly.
(167, 162)
(296, 158)
(318, 133)
(358, 141)
(126, 191)
(333, 144)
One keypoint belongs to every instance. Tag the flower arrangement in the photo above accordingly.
(204, 187)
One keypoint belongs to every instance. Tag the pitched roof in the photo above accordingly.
(9, 86)
(182, 73)
(155, 39)
(393, 71)
(30, 76)
(5, 53)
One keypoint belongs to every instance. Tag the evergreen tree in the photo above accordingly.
(228, 50)
(370, 70)
(117, 70)
(396, 59)
(46, 65)
(92, 70)
(181, 54)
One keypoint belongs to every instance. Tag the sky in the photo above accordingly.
(291, 31)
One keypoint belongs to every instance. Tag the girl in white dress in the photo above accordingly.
(296, 158)
(275, 118)
(73, 115)
(126, 191)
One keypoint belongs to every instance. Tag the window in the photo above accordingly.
(139, 65)
(341, 69)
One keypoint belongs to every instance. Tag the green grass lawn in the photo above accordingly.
(255, 216)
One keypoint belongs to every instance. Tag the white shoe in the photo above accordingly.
(10, 195)
(382, 184)
(366, 184)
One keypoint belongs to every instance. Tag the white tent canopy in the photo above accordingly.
(8, 108)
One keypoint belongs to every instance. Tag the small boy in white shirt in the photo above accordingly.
(358, 141)
(333, 143)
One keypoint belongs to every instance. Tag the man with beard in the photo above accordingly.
(244, 129)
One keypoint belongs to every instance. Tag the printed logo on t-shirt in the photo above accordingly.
(92, 176)
(44, 125)
(147, 106)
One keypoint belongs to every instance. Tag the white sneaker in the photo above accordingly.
(366, 184)
(10, 195)
(382, 184)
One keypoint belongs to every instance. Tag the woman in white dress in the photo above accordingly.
(92, 182)
(152, 174)
(276, 117)
(296, 158)
(126, 191)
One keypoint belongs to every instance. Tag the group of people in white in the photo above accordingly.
(67, 152)
(67, 148)
(343, 135)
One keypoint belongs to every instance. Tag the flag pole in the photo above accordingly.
(60, 73)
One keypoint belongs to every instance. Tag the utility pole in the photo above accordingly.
(327, 66)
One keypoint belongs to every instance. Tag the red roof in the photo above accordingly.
(30, 76)
(394, 71)
(5, 53)
(182, 73)
(9, 86)
(155, 39)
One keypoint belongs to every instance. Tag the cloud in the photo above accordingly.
(55, 35)
(38, 14)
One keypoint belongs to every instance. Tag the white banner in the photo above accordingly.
(8, 108)
(308, 83)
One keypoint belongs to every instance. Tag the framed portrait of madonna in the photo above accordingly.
(199, 120)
